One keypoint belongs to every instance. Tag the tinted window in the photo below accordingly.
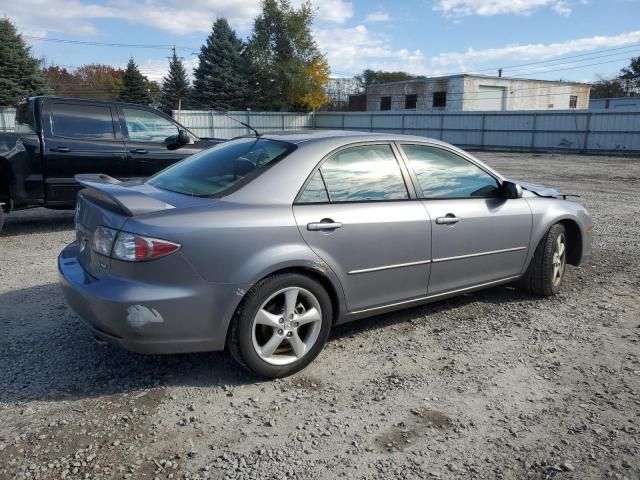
(385, 103)
(368, 172)
(410, 101)
(315, 192)
(82, 121)
(145, 126)
(442, 174)
(214, 171)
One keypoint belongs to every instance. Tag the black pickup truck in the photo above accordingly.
(57, 138)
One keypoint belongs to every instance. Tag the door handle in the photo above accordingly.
(61, 149)
(139, 150)
(449, 219)
(323, 225)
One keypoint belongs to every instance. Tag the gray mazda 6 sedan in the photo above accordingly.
(261, 244)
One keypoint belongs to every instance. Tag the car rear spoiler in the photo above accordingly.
(112, 194)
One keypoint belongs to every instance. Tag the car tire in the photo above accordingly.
(1, 218)
(292, 312)
(547, 267)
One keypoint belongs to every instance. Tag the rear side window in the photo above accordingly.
(358, 174)
(443, 174)
(82, 121)
(218, 170)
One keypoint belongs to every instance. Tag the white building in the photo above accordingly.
(463, 93)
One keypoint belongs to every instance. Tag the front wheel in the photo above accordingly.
(281, 325)
(546, 270)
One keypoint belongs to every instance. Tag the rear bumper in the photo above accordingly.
(148, 318)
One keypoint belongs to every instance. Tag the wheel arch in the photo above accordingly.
(5, 179)
(574, 240)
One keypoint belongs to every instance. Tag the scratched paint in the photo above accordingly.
(139, 316)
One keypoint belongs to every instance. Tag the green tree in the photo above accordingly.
(282, 55)
(175, 88)
(20, 74)
(630, 77)
(607, 88)
(134, 85)
(372, 77)
(220, 79)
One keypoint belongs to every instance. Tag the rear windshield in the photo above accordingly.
(223, 168)
(24, 117)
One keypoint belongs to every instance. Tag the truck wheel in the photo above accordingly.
(546, 270)
(281, 325)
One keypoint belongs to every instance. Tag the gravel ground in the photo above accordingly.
(497, 384)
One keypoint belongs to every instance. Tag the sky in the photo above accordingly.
(575, 40)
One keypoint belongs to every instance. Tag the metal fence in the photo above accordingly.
(7, 119)
(579, 131)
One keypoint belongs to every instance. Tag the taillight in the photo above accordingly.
(103, 239)
(130, 247)
(136, 248)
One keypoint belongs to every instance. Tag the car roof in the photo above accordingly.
(346, 136)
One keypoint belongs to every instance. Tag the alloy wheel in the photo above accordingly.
(559, 260)
(286, 326)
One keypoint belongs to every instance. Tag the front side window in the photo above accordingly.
(215, 171)
(145, 126)
(82, 121)
(358, 174)
(443, 174)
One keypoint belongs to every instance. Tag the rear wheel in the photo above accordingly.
(281, 325)
(546, 270)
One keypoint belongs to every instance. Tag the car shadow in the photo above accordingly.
(48, 353)
(36, 220)
(495, 295)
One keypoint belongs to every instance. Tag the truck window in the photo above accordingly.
(145, 126)
(82, 121)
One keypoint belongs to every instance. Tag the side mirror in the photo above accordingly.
(183, 137)
(511, 190)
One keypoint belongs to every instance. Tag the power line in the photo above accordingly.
(109, 44)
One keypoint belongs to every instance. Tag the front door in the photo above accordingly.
(150, 139)
(478, 236)
(357, 215)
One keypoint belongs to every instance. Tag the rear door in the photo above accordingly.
(79, 138)
(358, 214)
(150, 140)
(478, 236)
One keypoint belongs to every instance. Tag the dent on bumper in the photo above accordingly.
(147, 318)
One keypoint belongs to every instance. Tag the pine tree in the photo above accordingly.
(284, 56)
(134, 86)
(20, 73)
(175, 86)
(220, 79)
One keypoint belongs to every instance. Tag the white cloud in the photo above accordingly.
(175, 16)
(351, 50)
(379, 16)
(463, 8)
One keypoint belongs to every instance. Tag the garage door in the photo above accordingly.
(491, 98)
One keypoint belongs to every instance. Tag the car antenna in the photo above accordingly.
(244, 124)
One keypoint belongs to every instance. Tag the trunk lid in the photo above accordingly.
(108, 202)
